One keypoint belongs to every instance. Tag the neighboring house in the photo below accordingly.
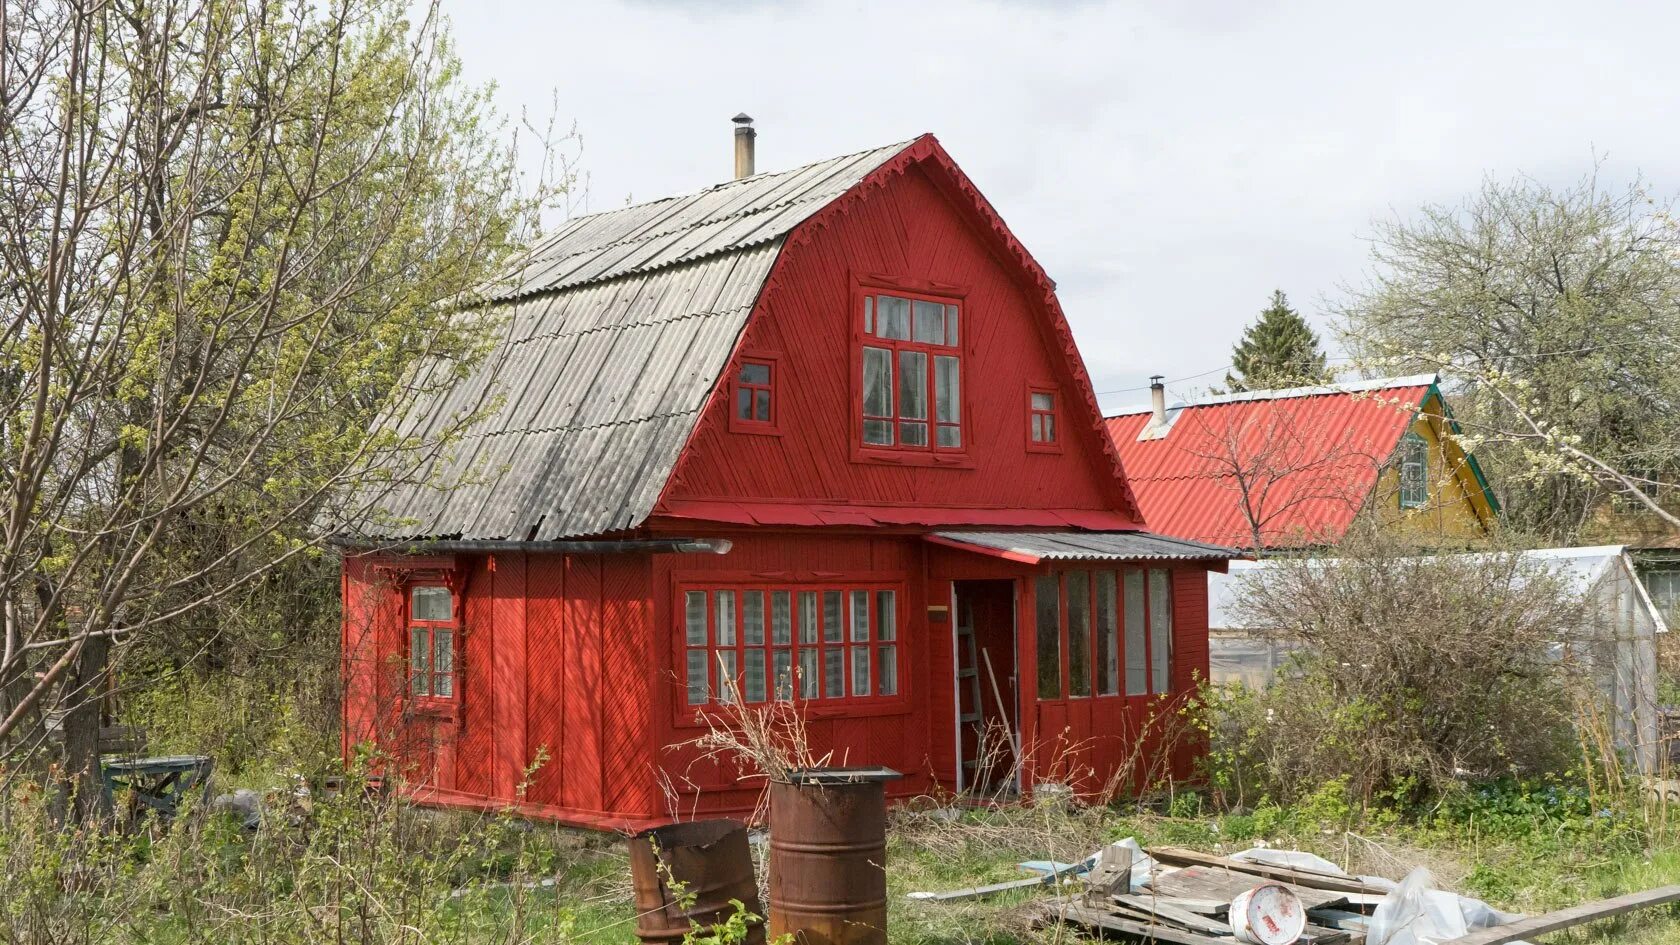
(1618, 648)
(820, 436)
(1293, 468)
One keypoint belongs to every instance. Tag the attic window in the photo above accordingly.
(910, 389)
(1414, 471)
(753, 397)
(1042, 434)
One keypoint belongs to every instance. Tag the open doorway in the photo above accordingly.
(988, 734)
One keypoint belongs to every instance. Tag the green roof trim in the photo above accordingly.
(1434, 393)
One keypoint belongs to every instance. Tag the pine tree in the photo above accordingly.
(1278, 350)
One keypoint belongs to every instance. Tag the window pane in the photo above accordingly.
(781, 673)
(877, 382)
(930, 322)
(443, 652)
(1160, 628)
(833, 625)
(912, 434)
(886, 615)
(868, 314)
(947, 393)
(755, 373)
(755, 682)
(860, 616)
(807, 616)
(878, 432)
(912, 385)
(761, 411)
(728, 680)
(1049, 637)
(1049, 428)
(694, 603)
(950, 436)
(1108, 635)
(808, 676)
(697, 677)
(1078, 588)
(752, 617)
(860, 671)
(1041, 401)
(743, 404)
(419, 651)
(889, 671)
(723, 604)
(1136, 682)
(1037, 428)
(950, 324)
(892, 317)
(781, 617)
(431, 603)
(834, 673)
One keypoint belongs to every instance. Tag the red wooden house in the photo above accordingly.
(825, 432)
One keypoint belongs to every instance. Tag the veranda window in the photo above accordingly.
(912, 373)
(1090, 624)
(801, 642)
(433, 625)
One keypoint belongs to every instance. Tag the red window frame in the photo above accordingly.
(756, 629)
(739, 385)
(425, 679)
(866, 333)
(1044, 419)
(1150, 585)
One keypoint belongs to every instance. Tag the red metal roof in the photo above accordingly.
(1306, 460)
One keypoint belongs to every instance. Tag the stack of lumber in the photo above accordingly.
(1189, 897)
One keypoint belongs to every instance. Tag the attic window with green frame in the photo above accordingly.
(1414, 471)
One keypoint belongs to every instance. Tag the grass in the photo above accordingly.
(1547, 864)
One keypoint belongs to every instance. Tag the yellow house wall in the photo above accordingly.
(1451, 513)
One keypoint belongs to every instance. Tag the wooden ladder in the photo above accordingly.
(968, 668)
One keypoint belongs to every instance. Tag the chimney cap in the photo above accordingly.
(742, 119)
(1155, 380)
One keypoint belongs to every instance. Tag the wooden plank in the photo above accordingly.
(979, 892)
(1203, 882)
(1569, 918)
(1174, 856)
(1075, 914)
(1164, 908)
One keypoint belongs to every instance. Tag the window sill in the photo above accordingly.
(691, 717)
(753, 428)
(1052, 449)
(440, 709)
(909, 458)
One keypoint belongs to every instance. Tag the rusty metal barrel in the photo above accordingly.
(828, 856)
(709, 863)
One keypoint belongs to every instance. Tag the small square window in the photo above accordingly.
(1043, 428)
(753, 398)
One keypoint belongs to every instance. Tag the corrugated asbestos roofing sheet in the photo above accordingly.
(617, 328)
(1314, 451)
(1088, 546)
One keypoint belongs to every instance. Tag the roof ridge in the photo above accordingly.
(1286, 393)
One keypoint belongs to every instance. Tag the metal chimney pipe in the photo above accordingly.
(744, 137)
(1158, 399)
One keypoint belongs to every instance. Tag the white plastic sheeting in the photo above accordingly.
(1416, 913)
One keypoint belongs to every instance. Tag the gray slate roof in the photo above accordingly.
(1092, 546)
(617, 329)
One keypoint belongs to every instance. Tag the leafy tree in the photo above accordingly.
(1554, 314)
(1279, 350)
(228, 229)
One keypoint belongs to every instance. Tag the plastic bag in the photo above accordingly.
(1416, 913)
(1296, 859)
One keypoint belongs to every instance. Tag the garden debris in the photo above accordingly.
(1569, 918)
(1416, 913)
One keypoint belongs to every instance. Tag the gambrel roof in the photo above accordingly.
(616, 329)
(616, 332)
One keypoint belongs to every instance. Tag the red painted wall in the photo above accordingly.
(908, 230)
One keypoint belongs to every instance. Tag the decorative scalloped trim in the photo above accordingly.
(926, 149)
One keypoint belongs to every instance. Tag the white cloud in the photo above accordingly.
(1168, 168)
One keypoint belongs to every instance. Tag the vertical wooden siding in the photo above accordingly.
(907, 231)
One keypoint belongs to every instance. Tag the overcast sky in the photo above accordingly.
(1168, 163)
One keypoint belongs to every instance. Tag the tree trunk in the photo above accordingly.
(83, 777)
